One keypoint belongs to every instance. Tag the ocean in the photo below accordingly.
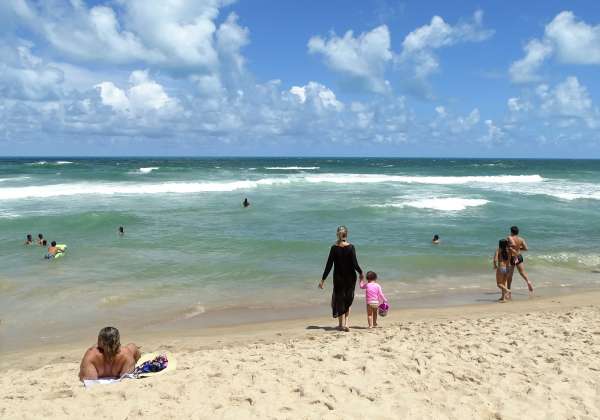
(192, 254)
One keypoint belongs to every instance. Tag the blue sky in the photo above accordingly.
(272, 77)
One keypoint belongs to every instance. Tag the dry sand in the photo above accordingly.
(537, 359)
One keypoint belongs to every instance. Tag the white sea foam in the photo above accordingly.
(41, 162)
(8, 215)
(148, 170)
(16, 178)
(63, 162)
(292, 168)
(62, 190)
(438, 203)
(561, 189)
(435, 180)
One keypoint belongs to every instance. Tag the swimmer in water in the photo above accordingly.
(29, 239)
(44, 243)
(53, 250)
(121, 230)
(40, 239)
(436, 239)
(246, 203)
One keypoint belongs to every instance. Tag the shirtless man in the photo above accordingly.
(517, 244)
(108, 359)
(52, 250)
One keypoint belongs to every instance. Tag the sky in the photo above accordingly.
(300, 78)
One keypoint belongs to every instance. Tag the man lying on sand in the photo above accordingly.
(108, 359)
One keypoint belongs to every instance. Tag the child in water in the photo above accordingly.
(29, 239)
(374, 296)
(502, 267)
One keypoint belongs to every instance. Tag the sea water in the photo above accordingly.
(191, 251)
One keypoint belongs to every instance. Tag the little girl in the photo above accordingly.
(374, 296)
(502, 266)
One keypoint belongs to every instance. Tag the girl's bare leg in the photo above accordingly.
(369, 316)
(374, 316)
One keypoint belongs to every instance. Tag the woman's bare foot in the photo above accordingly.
(346, 329)
(501, 300)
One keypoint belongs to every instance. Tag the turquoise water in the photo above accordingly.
(190, 249)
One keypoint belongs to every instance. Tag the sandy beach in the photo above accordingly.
(534, 359)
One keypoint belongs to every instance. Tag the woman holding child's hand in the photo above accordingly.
(342, 257)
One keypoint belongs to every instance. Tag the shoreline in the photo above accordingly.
(241, 317)
(211, 337)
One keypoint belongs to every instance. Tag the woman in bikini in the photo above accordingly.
(502, 259)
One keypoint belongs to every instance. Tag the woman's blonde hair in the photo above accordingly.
(109, 341)
(342, 234)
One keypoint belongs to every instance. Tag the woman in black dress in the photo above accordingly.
(342, 257)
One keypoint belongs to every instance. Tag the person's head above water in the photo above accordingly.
(53, 243)
(342, 234)
(109, 342)
(514, 230)
(40, 236)
(29, 238)
(436, 237)
(121, 229)
(371, 276)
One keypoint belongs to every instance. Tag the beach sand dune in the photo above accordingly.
(533, 360)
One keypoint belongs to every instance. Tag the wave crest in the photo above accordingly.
(436, 180)
(441, 204)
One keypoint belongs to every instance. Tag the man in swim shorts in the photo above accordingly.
(517, 245)
(107, 359)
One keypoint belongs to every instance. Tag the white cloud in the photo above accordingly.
(568, 99)
(23, 75)
(576, 42)
(525, 69)
(317, 95)
(516, 105)
(445, 122)
(569, 40)
(418, 45)
(362, 58)
(494, 133)
(143, 95)
(178, 35)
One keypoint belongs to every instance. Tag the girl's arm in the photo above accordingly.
(363, 284)
(381, 296)
(496, 258)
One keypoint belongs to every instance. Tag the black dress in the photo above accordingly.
(343, 259)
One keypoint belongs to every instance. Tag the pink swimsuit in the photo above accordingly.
(373, 294)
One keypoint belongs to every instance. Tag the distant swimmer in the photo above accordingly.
(121, 230)
(436, 239)
(44, 243)
(246, 203)
(517, 245)
(40, 239)
(53, 250)
(29, 239)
